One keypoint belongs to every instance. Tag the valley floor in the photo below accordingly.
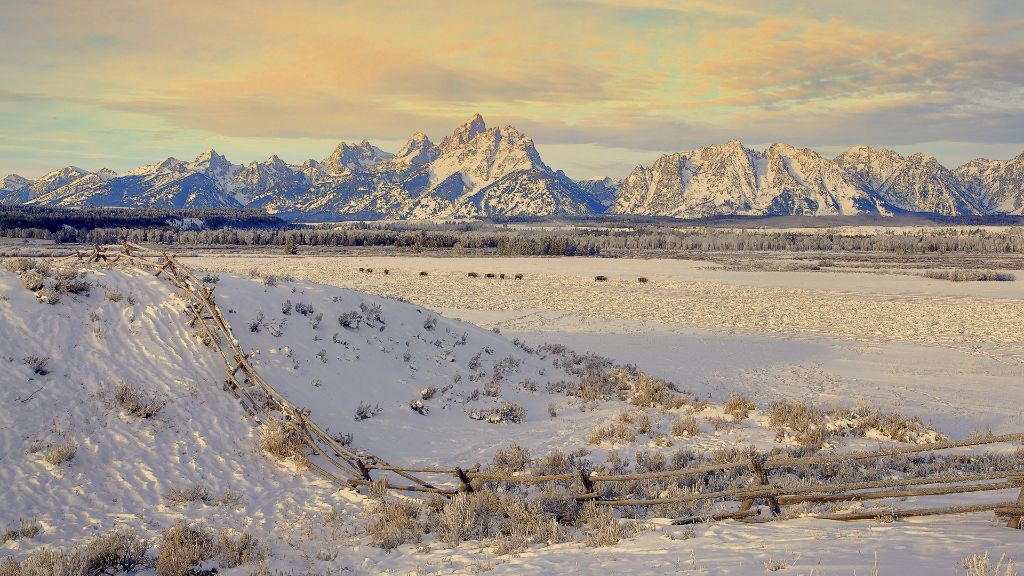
(950, 352)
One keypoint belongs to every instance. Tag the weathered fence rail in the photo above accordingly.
(346, 467)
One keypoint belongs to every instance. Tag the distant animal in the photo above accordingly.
(502, 276)
(489, 275)
(600, 278)
(519, 276)
(642, 280)
(369, 270)
(424, 273)
(386, 271)
(362, 269)
(474, 275)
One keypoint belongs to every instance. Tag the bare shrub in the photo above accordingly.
(61, 453)
(134, 402)
(807, 422)
(685, 426)
(513, 458)
(492, 389)
(371, 313)
(70, 281)
(182, 548)
(120, 550)
(981, 565)
(233, 549)
(719, 423)
(281, 441)
(350, 319)
(113, 295)
(739, 407)
(37, 364)
(600, 525)
(48, 561)
(181, 497)
(430, 323)
(958, 275)
(286, 307)
(428, 393)
(257, 322)
(419, 407)
(365, 411)
(304, 308)
(25, 529)
(394, 523)
(209, 278)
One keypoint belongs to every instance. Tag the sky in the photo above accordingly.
(600, 85)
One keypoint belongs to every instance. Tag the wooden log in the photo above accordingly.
(908, 493)
(715, 517)
(882, 512)
(495, 477)
(736, 494)
(669, 473)
(788, 462)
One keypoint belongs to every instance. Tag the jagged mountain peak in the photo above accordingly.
(355, 157)
(15, 182)
(466, 132)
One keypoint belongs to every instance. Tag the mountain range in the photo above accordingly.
(481, 172)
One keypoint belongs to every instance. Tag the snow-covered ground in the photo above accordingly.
(130, 328)
(950, 352)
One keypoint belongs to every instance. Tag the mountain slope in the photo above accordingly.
(999, 184)
(732, 179)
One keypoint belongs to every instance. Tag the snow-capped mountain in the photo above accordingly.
(479, 172)
(15, 189)
(602, 190)
(732, 179)
(167, 184)
(917, 183)
(999, 182)
(354, 157)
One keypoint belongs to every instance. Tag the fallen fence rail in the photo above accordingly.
(348, 468)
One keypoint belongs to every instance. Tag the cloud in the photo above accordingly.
(641, 75)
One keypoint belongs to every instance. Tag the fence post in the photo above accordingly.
(1017, 520)
(762, 477)
(588, 484)
(466, 485)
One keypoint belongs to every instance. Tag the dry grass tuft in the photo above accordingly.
(25, 529)
(181, 497)
(129, 399)
(739, 407)
(61, 453)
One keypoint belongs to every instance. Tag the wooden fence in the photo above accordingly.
(349, 468)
